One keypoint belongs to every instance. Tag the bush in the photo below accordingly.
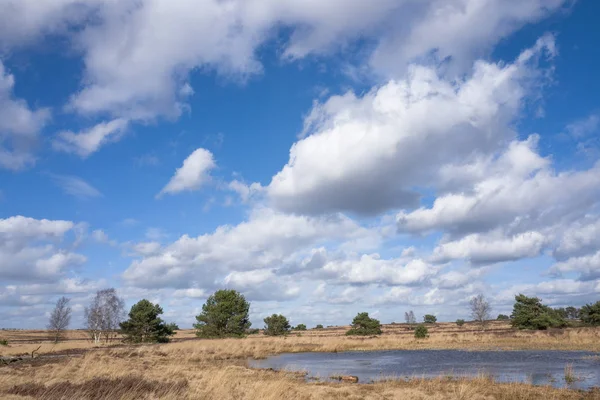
(300, 327)
(502, 317)
(225, 314)
(276, 325)
(319, 326)
(590, 314)
(530, 313)
(3, 342)
(460, 322)
(430, 319)
(421, 332)
(144, 324)
(364, 325)
(253, 331)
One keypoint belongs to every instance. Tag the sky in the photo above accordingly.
(323, 158)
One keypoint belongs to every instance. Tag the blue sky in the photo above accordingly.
(324, 158)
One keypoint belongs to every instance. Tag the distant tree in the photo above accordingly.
(60, 318)
(561, 312)
(104, 314)
(145, 326)
(300, 327)
(225, 314)
(319, 326)
(590, 314)
(460, 322)
(430, 319)
(252, 331)
(409, 317)
(362, 324)
(173, 326)
(480, 310)
(421, 332)
(530, 313)
(276, 325)
(503, 317)
(572, 312)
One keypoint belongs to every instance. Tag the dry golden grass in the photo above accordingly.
(217, 369)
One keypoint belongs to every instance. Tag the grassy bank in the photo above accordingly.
(216, 369)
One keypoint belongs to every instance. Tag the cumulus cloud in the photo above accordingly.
(386, 142)
(519, 188)
(588, 266)
(491, 248)
(28, 250)
(193, 173)
(87, 142)
(268, 239)
(262, 284)
(131, 74)
(19, 126)
(370, 268)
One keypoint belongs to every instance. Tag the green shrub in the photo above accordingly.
(530, 313)
(430, 319)
(364, 325)
(319, 326)
(460, 322)
(144, 324)
(276, 325)
(421, 332)
(3, 342)
(590, 314)
(502, 317)
(225, 314)
(253, 331)
(300, 327)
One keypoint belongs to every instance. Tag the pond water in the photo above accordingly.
(535, 367)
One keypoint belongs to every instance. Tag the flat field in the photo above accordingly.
(190, 368)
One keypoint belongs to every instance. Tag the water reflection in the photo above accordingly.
(536, 367)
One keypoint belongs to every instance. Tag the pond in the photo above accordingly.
(535, 367)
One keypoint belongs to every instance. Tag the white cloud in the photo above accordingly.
(386, 142)
(138, 53)
(192, 293)
(519, 189)
(588, 266)
(369, 268)
(245, 191)
(87, 142)
(19, 126)
(262, 284)
(584, 127)
(491, 248)
(75, 186)
(193, 173)
(28, 252)
(456, 31)
(268, 239)
(581, 237)
(146, 248)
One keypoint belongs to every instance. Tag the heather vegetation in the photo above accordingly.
(197, 366)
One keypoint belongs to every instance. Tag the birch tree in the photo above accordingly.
(104, 314)
(480, 310)
(60, 318)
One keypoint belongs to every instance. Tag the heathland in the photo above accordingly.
(193, 368)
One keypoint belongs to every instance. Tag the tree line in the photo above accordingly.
(226, 313)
